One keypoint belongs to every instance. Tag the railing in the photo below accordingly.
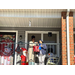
(10, 53)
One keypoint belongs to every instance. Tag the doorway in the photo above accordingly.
(43, 35)
(9, 37)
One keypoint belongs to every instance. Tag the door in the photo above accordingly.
(7, 47)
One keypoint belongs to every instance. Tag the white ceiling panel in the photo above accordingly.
(33, 13)
(38, 17)
(35, 22)
(35, 10)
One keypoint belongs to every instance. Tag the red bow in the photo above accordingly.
(24, 49)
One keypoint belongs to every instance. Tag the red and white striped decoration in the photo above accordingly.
(5, 60)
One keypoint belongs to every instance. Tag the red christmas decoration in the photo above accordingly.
(36, 49)
(24, 57)
(13, 36)
(4, 43)
(1, 35)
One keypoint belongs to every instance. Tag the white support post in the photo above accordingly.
(68, 46)
(15, 57)
(42, 36)
(26, 36)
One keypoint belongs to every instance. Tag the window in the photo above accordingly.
(37, 37)
(52, 39)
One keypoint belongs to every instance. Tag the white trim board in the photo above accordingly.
(74, 32)
(42, 32)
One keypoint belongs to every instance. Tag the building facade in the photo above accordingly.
(38, 22)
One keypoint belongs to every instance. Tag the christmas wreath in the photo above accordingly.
(6, 36)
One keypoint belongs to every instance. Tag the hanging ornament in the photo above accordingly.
(13, 37)
(6, 39)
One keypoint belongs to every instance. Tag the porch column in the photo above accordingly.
(71, 38)
(63, 37)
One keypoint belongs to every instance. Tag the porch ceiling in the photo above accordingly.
(33, 10)
(31, 13)
(35, 22)
(38, 17)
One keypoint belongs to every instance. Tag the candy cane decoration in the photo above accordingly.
(8, 60)
(2, 60)
(5, 60)
(11, 60)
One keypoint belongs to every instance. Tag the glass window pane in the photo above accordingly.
(37, 37)
(52, 39)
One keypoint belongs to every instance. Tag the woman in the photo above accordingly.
(42, 52)
(30, 51)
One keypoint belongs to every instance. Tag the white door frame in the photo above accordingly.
(42, 32)
(16, 39)
(74, 32)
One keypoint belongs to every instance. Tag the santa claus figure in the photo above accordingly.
(24, 57)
